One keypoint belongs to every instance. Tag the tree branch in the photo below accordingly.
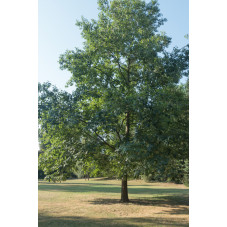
(128, 70)
(104, 141)
(122, 123)
(118, 134)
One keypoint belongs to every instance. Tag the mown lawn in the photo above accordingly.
(96, 203)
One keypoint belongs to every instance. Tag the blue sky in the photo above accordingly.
(57, 31)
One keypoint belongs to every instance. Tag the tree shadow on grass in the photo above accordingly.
(69, 221)
(163, 201)
(106, 178)
(79, 188)
(178, 205)
(93, 187)
(73, 183)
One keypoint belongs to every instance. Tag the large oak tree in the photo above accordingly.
(127, 112)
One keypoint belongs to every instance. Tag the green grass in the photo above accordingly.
(96, 203)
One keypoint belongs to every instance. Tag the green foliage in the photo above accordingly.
(86, 169)
(78, 170)
(127, 114)
(177, 171)
(186, 174)
(41, 174)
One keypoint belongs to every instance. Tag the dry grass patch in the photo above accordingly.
(96, 203)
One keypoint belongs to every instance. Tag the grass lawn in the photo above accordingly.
(96, 203)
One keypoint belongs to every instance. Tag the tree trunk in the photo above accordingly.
(124, 183)
(124, 190)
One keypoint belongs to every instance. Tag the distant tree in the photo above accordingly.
(125, 112)
(41, 174)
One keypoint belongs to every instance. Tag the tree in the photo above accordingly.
(126, 95)
(176, 134)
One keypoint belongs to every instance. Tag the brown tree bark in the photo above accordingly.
(124, 190)
(124, 182)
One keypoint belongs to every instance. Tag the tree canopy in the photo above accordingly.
(127, 112)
